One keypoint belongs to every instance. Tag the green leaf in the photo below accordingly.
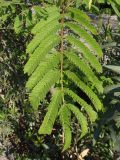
(92, 114)
(115, 7)
(65, 117)
(113, 68)
(86, 89)
(41, 89)
(85, 69)
(81, 119)
(40, 53)
(86, 53)
(18, 24)
(51, 115)
(112, 89)
(82, 19)
(79, 13)
(48, 30)
(45, 66)
(55, 15)
(91, 43)
(61, 44)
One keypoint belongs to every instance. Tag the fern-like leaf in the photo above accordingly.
(85, 69)
(80, 17)
(50, 63)
(92, 114)
(51, 52)
(50, 29)
(86, 53)
(41, 89)
(50, 117)
(65, 117)
(87, 37)
(81, 119)
(40, 52)
(53, 14)
(79, 13)
(86, 89)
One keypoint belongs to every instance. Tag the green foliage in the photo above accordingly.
(110, 120)
(82, 19)
(92, 114)
(116, 6)
(50, 63)
(80, 117)
(65, 117)
(113, 91)
(20, 16)
(72, 57)
(49, 49)
(49, 120)
(113, 68)
(86, 53)
(88, 91)
(63, 85)
(92, 44)
(112, 5)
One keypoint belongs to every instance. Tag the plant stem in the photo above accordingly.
(62, 52)
(62, 58)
